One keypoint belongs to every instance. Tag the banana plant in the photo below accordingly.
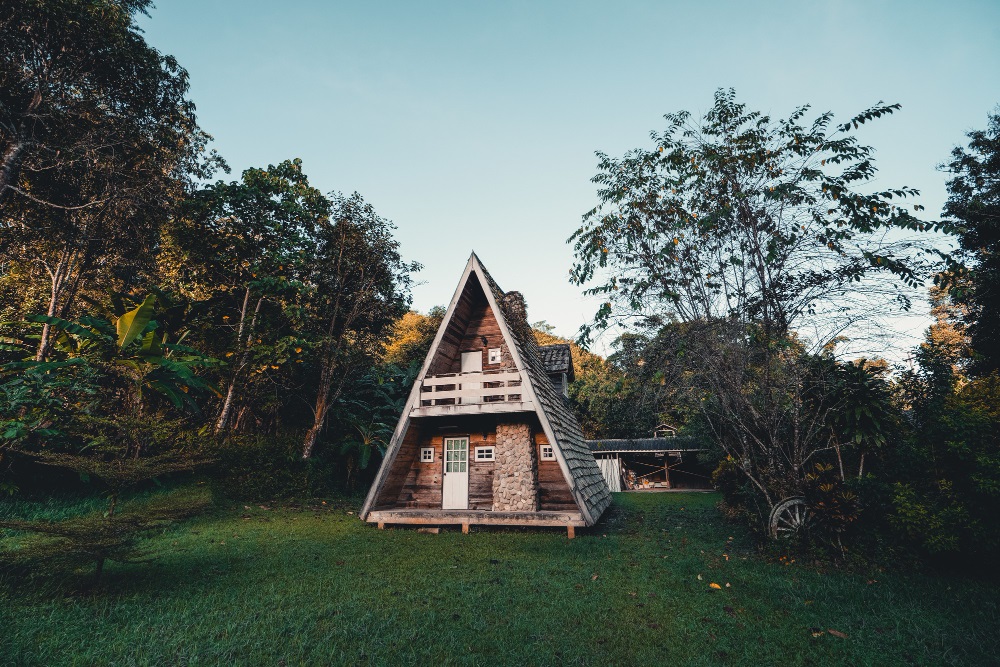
(132, 343)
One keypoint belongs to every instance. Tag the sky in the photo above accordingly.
(474, 125)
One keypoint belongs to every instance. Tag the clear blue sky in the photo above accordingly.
(473, 125)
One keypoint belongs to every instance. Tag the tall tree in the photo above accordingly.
(738, 215)
(248, 246)
(362, 287)
(97, 142)
(974, 203)
(748, 244)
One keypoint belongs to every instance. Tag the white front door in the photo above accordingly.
(455, 495)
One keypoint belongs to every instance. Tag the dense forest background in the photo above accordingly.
(166, 323)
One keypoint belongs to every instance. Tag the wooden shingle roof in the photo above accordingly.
(557, 359)
(588, 484)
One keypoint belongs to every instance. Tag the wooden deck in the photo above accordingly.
(465, 518)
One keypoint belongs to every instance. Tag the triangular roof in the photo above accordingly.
(554, 414)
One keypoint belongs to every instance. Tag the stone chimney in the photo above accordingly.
(513, 303)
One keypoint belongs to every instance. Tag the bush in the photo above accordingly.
(261, 467)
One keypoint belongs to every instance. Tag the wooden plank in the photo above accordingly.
(423, 485)
(499, 407)
(553, 491)
(471, 517)
(459, 378)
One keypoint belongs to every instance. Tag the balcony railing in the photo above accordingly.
(471, 389)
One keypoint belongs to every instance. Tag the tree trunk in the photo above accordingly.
(10, 164)
(57, 282)
(319, 417)
(227, 405)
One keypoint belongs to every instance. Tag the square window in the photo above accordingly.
(485, 454)
(548, 453)
(494, 356)
(427, 455)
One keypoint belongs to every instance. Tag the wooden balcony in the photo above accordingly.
(471, 393)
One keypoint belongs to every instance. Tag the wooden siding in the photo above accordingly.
(470, 304)
(482, 323)
(553, 491)
(423, 483)
(420, 484)
(408, 451)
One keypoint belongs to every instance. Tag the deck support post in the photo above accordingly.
(465, 529)
(570, 532)
(381, 525)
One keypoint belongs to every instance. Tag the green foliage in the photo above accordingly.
(835, 508)
(738, 215)
(946, 494)
(412, 336)
(266, 467)
(974, 205)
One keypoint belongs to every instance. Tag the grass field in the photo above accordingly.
(313, 585)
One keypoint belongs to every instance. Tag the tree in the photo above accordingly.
(362, 286)
(945, 472)
(98, 141)
(412, 336)
(974, 204)
(80, 87)
(726, 240)
(740, 216)
(247, 248)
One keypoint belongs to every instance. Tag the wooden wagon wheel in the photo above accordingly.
(791, 518)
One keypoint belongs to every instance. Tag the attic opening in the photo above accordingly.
(472, 330)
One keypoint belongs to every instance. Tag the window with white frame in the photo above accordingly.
(494, 356)
(427, 455)
(547, 453)
(485, 454)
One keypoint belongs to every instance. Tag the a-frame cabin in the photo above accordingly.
(486, 436)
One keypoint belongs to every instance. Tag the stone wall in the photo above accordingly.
(515, 477)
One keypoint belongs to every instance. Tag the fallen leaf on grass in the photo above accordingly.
(816, 632)
(715, 586)
(593, 577)
(699, 577)
(837, 633)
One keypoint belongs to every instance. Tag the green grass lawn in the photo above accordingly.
(316, 586)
